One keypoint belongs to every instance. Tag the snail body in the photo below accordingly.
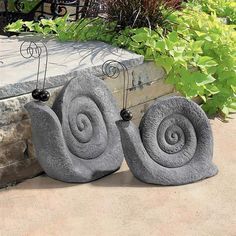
(173, 145)
(77, 140)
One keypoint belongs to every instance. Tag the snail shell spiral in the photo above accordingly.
(174, 144)
(87, 113)
(83, 142)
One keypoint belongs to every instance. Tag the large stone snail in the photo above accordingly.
(173, 145)
(77, 140)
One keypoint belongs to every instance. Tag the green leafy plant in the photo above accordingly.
(64, 30)
(222, 8)
(199, 56)
(216, 59)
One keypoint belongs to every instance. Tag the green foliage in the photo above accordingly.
(199, 56)
(213, 54)
(64, 30)
(222, 8)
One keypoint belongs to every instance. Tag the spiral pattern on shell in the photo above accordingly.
(174, 130)
(87, 113)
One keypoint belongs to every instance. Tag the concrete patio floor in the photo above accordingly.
(121, 205)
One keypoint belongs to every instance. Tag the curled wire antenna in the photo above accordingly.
(31, 49)
(113, 69)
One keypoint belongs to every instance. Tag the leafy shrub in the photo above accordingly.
(64, 30)
(222, 8)
(199, 56)
(214, 56)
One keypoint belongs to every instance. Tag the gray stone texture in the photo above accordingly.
(17, 157)
(66, 60)
(18, 162)
(79, 142)
(173, 145)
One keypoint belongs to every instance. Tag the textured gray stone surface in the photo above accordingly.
(19, 171)
(17, 157)
(66, 61)
(79, 142)
(174, 145)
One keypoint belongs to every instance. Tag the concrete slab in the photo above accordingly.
(121, 205)
(18, 75)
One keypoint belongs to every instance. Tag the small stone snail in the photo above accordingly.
(174, 142)
(77, 140)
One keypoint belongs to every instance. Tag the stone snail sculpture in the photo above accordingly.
(77, 140)
(173, 145)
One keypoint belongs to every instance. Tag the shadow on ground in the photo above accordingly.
(121, 179)
(118, 179)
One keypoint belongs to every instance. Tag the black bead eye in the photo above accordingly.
(44, 96)
(35, 94)
(126, 115)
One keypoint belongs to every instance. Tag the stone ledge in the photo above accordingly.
(149, 92)
(19, 171)
(66, 60)
(12, 153)
(11, 134)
